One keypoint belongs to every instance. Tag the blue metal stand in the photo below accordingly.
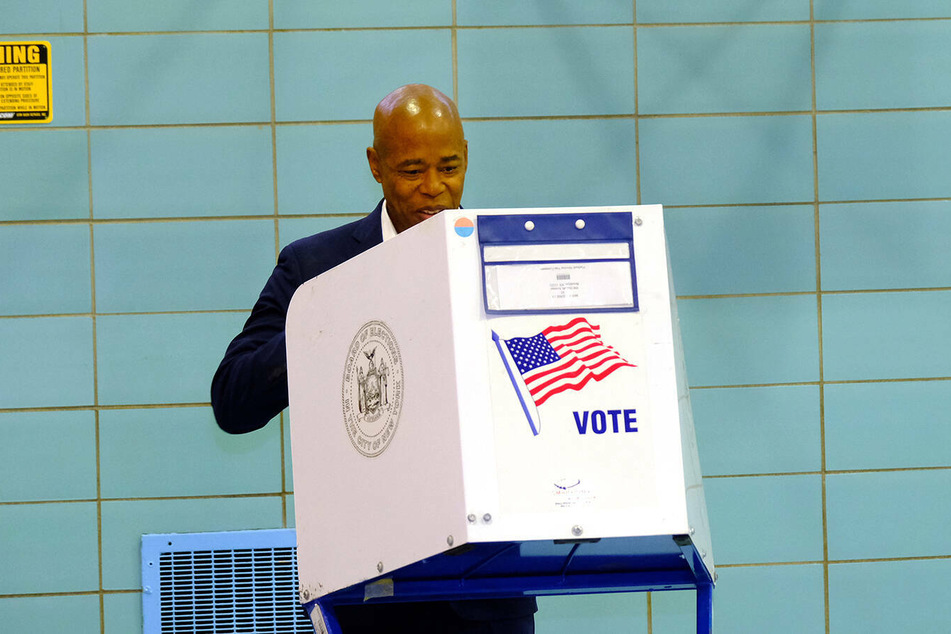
(537, 568)
(705, 608)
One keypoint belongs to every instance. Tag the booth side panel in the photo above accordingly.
(374, 427)
(693, 477)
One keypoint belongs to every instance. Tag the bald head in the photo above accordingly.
(414, 106)
(419, 153)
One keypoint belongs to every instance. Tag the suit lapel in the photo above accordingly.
(369, 231)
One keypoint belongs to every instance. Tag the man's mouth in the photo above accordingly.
(430, 211)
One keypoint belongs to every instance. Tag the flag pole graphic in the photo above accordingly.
(521, 399)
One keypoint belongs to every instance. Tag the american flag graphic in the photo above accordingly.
(561, 358)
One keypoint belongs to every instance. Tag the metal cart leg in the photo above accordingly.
(323, 617)
(704, 608)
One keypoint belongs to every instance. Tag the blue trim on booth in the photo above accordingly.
(540, 568)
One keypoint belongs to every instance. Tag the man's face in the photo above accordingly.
(421, 164)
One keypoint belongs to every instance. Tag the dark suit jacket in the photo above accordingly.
(250, 386)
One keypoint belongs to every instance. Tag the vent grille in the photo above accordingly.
(225, 590)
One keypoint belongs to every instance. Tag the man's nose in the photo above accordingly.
(432, 184)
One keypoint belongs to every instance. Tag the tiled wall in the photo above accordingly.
(803, 151)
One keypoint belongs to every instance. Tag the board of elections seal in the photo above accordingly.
(372, 388)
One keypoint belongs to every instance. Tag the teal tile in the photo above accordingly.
(887, 514)
(179, 78)
(288, 453)
(884, 155)
(46, 362)
(880, 9)
(750, 600)
(888, 425)
(750, 340)
(122, 613)
(739, 68)
(175, 15)
(124, 523)
(162, 172)
(726, 160)
(677, 11)
(551, 163)
(342, 75)
(155, 359)
(289, 511)
(58, 186)
(506, 13)
(893, 245)
(546, 71)
(774, 599)
(742, 249)
(674, 612)
(886, 335)
(323, 169)
(52, 16)
(60, 282)
(305, 14)
(291, 229)
(47, 456)
(164, 266)
(68, 85)
(758, 429)
(35, 614)
(181, 452)
(593, 614)
(768, 519)
(883, 65)
(889, 596)
(51, 548)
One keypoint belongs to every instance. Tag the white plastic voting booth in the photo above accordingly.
(494, 404)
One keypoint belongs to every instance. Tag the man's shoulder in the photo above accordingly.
(321, 251)
(327, 238)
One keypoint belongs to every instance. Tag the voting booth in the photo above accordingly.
(494, 404)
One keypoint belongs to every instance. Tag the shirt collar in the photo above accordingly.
(389, 231)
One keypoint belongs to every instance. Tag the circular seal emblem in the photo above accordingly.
(372, 388)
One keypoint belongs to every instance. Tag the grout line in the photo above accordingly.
(871, 291)
(454, 47)
(93, 320)
(889, 290)
(219, 311)
(222, 496)
(818, 262)
(836, 562)
(357, 214)
(180, 219)
(282, 428)
(137, 406)
(558, 117)
(824, 472)
(495, 27)
(650, 612)
(649, 599)
(273, 126)
(825, 382)
(637, 126)
(77, 593)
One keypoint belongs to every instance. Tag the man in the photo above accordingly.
(419, 156)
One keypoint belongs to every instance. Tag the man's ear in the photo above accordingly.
(374, 160)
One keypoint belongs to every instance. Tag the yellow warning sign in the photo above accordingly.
(25, 82)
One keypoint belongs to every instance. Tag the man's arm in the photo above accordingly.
(250, 386)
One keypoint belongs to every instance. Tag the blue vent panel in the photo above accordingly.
(243, 581)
